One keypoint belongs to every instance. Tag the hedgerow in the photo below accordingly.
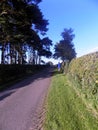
(83, 71)
(10, 73)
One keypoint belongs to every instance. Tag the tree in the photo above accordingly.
(44, 48)
(20, 22)
(65, 48)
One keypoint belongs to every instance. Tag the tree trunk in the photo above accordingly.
(2, 54)
(39, 60)
(11, 57)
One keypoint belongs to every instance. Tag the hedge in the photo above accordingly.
(11, 72)
(83, 73)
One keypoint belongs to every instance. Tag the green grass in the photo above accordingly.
(65, 109)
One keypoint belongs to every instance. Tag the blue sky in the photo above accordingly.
(80, 15)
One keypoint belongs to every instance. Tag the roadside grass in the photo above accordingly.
(65, 108)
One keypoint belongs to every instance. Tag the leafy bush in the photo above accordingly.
(83, 72)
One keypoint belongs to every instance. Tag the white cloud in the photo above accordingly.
(50, 59)
(86, 51)
(94, 49)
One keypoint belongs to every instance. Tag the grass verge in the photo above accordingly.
(65, 108)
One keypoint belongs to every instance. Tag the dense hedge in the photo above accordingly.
(11, 72)
(84, 70)
(83, 75)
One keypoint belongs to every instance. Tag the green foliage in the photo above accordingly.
(83, 73)
(65, 48)
(44, 50)
(66, 109)
(20, 22)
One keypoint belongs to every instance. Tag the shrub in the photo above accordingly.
(84, 71)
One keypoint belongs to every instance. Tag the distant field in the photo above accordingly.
(66, 109)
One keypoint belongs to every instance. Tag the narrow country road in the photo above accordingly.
(21, 104)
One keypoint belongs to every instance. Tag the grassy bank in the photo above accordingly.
(66, 110)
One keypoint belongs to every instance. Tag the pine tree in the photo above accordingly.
(20, 22)
(65, 48)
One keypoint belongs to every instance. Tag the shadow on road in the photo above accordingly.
(5, 95)
(46, 73)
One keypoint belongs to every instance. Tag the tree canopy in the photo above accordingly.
(21, 21)
(64, 49)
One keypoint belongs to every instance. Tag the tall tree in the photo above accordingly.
(65, 48)
(20, 20)
(44, 49)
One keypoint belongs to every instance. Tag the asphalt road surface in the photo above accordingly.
(20, 105)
